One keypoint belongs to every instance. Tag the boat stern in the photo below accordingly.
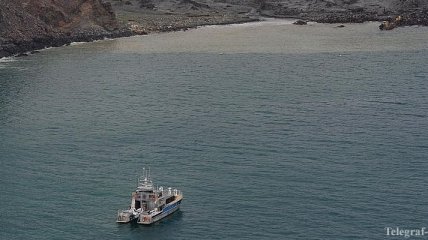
(125, 216)
(145, 219)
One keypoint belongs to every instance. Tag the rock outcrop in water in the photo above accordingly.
(34, 24)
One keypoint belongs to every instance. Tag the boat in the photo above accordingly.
(150, 204)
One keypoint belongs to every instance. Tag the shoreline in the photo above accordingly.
(24, 48)
(173, 23)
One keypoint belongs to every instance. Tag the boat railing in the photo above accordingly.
(177, 192)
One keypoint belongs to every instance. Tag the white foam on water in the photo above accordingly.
(99, 40)
(76, 43)
(7, 59)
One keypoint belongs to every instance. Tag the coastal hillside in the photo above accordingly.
(33, 24)
(342, 10)
(152, 15)
(284, 8)
(144, 16)
(27, 25)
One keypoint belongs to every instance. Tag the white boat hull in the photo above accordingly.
(148, 219)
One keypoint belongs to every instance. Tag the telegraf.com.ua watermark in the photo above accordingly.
(406, 232)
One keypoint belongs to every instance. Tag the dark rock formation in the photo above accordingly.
(147, 4)
(26, 25)
(300, 22)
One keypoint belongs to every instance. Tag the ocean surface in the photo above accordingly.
(271, 130)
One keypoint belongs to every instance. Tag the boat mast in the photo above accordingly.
(141, 193)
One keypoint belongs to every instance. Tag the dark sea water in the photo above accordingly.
(305, 133)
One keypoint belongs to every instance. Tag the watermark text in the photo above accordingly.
(406, 232)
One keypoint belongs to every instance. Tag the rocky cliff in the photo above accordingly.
(33, 24)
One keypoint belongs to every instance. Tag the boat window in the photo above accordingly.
(137, 205)
(170, 199)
